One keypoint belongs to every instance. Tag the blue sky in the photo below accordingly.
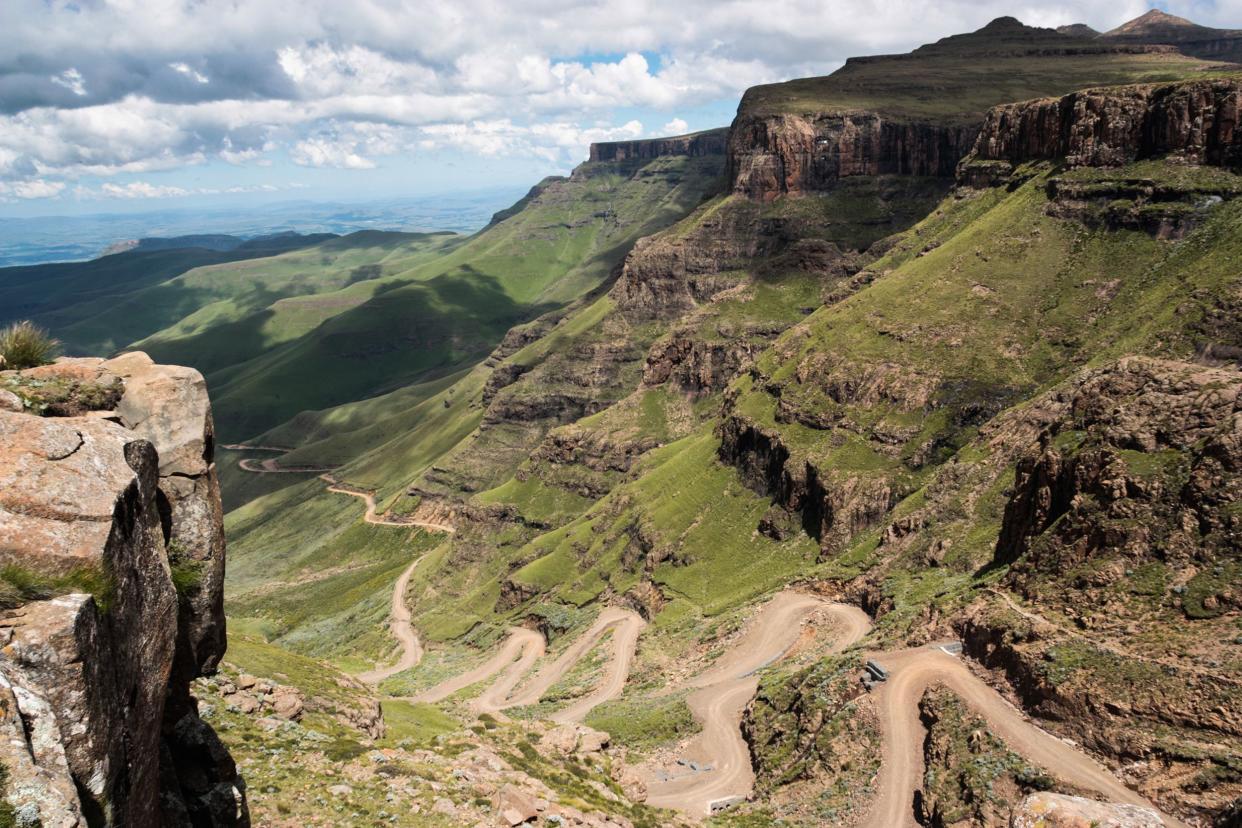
(115, 105)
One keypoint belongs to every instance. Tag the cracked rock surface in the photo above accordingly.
(99, 646)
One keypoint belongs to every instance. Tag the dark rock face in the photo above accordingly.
(696, 366)
(698, 145)
(776, 155)
(668, 275)
(1166, 410)
(116, 500)
(1197, 121)
(832, 507)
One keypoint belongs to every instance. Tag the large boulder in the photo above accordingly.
(1050, 810)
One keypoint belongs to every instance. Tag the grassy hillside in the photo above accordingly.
(421, 320)
(82, 301)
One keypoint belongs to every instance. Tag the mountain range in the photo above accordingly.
(875, 460)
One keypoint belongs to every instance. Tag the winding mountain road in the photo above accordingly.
(271, 465)
(520, 650)
(913, 671)
(718, 758)
(372, 516)
(725, 689)
(402, 630)
(625, 626)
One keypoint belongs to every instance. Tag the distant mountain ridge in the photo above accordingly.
(217, 241)
(1157, 27)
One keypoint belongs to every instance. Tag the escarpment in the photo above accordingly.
(112, 544)
(1197, 122)
(710, 142)
(775, 155)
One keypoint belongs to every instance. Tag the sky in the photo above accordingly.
(114, 105)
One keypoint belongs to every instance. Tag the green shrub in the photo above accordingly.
(186, 572)
(25, 345)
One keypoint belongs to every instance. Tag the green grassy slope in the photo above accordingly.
(435, 318)
(358, 317)
(216, 317)
(80, 301)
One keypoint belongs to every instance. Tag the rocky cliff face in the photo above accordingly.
(1122, 519)
(1197, 121)
(775, 155)
(711, 142)
(112, 547)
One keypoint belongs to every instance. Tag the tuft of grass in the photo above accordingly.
(186, 572)
(19, 585)
(26, 345)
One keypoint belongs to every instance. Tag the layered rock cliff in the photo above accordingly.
(112, 548)
(698, 144)
(1198, 122)
(775, 155)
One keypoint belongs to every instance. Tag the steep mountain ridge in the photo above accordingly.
(918, 114)
(708, 142)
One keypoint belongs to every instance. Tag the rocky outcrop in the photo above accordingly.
(971, 776)
(696, 145)
(715, 251)
(1197, 121)
(1051, 810)
(668, 275)
(775, 155)
(831, 506)
(110, 521)
(1121, 519)
(1173, 414)
(698, 366)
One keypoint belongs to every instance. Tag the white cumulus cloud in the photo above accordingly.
(135, 86)
(675, 127)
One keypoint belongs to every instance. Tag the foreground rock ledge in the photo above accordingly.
(1050, 810)
(99, 510)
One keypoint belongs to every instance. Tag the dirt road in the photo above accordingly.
(372, 517)
(402, 630)
(621, 659)
(910, 673)
(524, 645)
(271, 465)
(726, 688)
(523, 648)
(626, 626)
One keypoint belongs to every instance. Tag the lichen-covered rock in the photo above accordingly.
(41, 789)
(115, 502)
(1050, 810)
(168, 405)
